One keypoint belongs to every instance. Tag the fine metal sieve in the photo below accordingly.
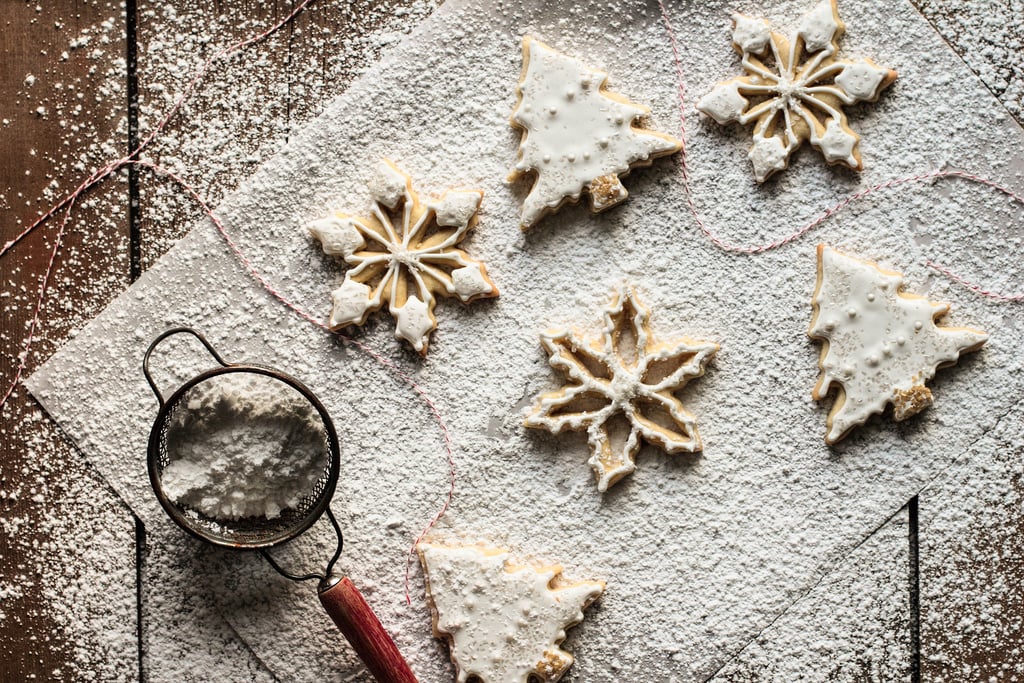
(340, 598)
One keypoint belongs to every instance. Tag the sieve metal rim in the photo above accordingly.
(167, 406)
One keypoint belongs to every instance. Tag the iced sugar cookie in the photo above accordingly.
(576, 136)
(794, 89)
(404, 255)
(503, 622)
(880, 345)
(621, 388)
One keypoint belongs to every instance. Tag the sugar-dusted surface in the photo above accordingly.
(241, 115)
(853, 626)
(67, 547)
(989, 35)
(64, 111)
(971, 565)
(748, 526)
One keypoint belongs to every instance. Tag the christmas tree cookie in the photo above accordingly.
(621, 388)
(576, 136)
(504, 622)
(404, 255)
(880, 345)
(794, 89)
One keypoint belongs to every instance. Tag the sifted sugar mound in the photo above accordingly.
(243, 445)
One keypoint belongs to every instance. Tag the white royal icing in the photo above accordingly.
(837, 145)
(821, 26)
(456, 208)
(724, 103)
(470, 281)
(750, 34)
(405, 264)
(339, 237)
(351, 301)
(768, 155)
(882, 345)
(389, 185)
(413, 321)
(796, 91)
(504, 623)
(625, 387)
(573, 132)
(861, 79)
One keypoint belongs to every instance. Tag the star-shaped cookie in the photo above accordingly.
(621, 388)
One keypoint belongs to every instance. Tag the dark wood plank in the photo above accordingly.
(989, 36)
(241, 114)
(61, 100)
(972, 608)
(971, 611)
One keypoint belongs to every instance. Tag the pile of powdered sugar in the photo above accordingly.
(243, 445)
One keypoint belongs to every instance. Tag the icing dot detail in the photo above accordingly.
(863, 343)
(575, 113)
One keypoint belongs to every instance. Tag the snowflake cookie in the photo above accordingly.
(620, 388)
(880, 344)
(576, 135)
(794, 89)
(504, 622)
(404, 255)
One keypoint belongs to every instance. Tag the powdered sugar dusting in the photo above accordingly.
(852, 626)
(67, 550)
(970, 563)
(248, 107)
(988, 37)
(90, 552)
(746, 528)
(243, 445)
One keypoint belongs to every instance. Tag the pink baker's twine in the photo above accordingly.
(306, 315)
(103, 172)
(830, 211)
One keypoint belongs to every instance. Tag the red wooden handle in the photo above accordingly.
(346, 605)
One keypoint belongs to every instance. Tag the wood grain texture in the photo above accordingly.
(972, 607)
(364, 632)
(61, 110)
(50, 500)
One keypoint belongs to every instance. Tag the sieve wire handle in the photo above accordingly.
(356, 620)
(156, 342)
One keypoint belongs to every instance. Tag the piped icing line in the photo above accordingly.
(503, 622)
(404, 255)
(880, 344)
(794, 89)
(623, 373)
(576, 135)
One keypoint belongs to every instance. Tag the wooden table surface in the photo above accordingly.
(70, 100)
